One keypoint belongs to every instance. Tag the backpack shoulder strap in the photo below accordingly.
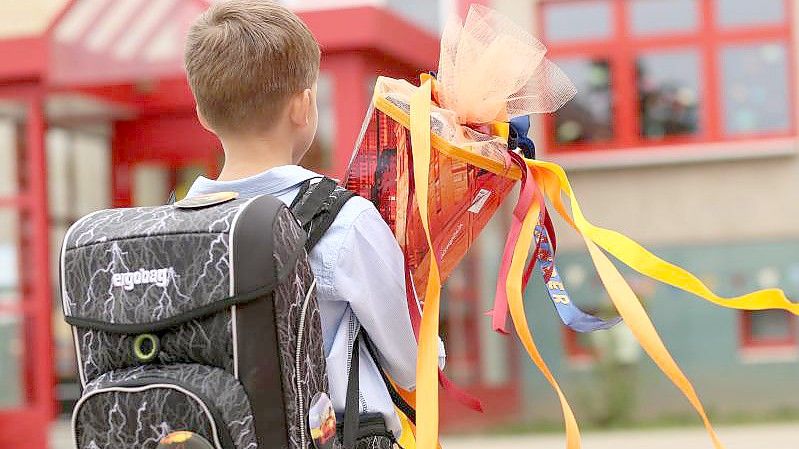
(396, 398)
(317, 205)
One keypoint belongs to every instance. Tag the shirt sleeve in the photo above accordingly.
(370, 275)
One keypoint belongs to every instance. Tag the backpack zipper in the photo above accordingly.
(137, 389)
(298, 365)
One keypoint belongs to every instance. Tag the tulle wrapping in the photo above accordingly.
(490, 70)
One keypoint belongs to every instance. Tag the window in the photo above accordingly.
(578, 21)
(652, 17)
(75, 188)
(668, 93)
(756, 79)
(768, 329)
(579, 346)
(587, 118)
(652, 72)
(733, 13)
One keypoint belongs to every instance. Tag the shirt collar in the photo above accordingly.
(272, 181)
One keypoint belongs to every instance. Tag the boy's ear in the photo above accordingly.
(300, 108)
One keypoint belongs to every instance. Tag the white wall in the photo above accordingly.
(27, 17)
(693, 203)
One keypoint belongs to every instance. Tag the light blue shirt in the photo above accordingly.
(359, 270)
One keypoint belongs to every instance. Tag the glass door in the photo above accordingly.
(26, 368)
(153, 180)
(75, 189)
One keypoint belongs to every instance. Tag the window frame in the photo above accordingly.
(576, 353)
(747, 341)
(622, 49)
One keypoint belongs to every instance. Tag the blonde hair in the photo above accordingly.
(244, 59)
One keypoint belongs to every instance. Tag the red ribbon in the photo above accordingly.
(550, 229)
(529, 191)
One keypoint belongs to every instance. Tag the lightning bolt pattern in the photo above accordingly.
(298, 386)
(208, 341)
(192, 245)
(122, 419)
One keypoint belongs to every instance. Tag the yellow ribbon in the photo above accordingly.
(638, 258)
(427, 358)
(516, 308)
(635, 316)
(552, 180)
(407, 439)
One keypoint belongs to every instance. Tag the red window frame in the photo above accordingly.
(576, 352)
(750, 342)
(622, 48)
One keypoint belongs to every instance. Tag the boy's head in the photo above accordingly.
(252, 66)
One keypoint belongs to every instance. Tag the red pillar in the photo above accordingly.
(121, 189)
(351, 97)
(44, 376)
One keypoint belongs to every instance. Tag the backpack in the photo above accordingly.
(200, 317)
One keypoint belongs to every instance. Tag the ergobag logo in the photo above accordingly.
(127, 281)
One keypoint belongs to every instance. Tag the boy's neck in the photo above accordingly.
(249, 156)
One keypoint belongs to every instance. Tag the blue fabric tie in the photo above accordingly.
(517, 137)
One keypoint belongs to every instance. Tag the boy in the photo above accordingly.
(252, 66)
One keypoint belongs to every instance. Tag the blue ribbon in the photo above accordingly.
(569, 313)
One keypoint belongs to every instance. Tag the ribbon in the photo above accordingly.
(527, 195)
(550, 228)
(427, 358)
(451, 388)
(553, 181)
(570, 315)
(516, 307)
(544, 256)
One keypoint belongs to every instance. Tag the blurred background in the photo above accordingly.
(683, 136)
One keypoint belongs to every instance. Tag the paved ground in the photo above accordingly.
(773, 436)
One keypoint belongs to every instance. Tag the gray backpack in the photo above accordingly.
(197, 319)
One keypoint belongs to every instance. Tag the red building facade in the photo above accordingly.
(141, 95)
